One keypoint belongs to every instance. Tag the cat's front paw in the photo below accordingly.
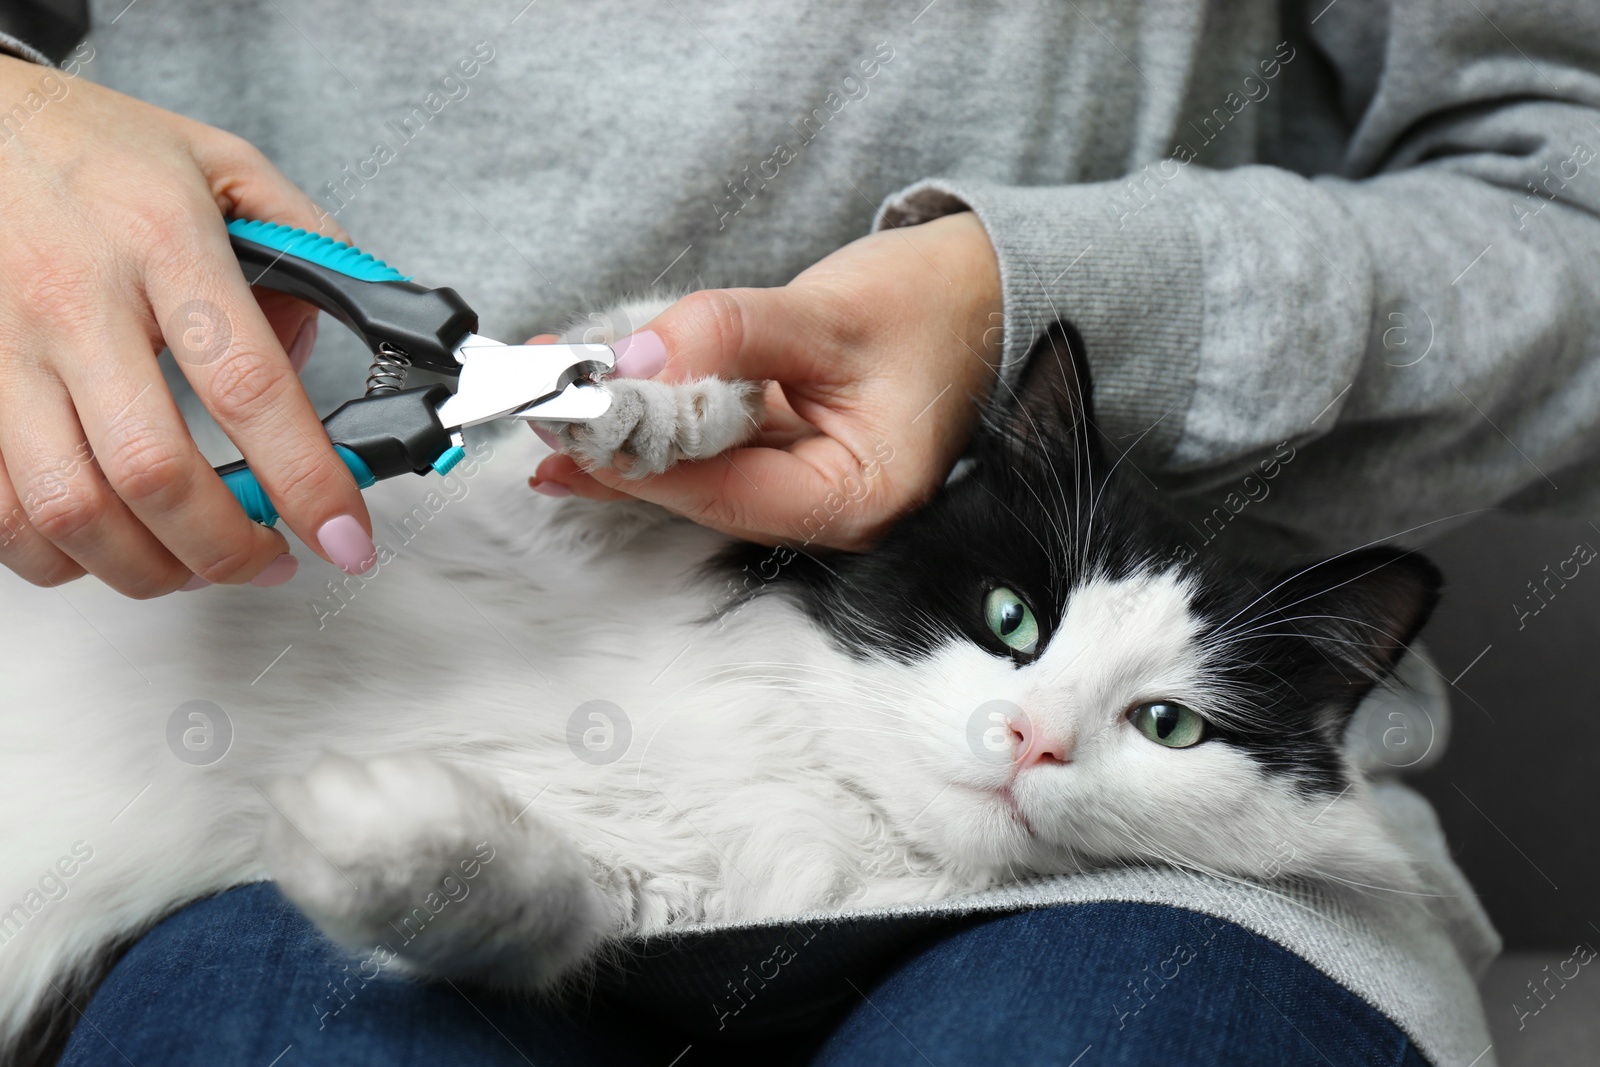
(360, 846)
(652, 425)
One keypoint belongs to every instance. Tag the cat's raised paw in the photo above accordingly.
(652, 425)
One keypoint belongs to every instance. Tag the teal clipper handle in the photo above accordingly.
(241, 480)
(382, 306)
(391, 430)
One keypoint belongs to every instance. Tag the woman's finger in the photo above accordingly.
(23, 549)
(293, 322)
(245, 184)
(759, 494)
(146, 454)
(558, 475)
(242, 375)
(780, 426)
(69, 502)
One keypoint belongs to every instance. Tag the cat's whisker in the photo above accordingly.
(1279, 620)
(1354, 884)
(1349, 552)
(1196, 871)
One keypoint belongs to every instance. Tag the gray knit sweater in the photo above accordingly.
(1365, 228)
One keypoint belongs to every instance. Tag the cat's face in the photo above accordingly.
(1046, 682)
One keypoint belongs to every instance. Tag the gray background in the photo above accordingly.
(1517, 790)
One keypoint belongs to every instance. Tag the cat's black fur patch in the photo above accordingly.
(1040, 508)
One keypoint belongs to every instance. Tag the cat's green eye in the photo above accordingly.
(1169, 724)
(1011, 621)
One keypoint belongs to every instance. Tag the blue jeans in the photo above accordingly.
(243, 979)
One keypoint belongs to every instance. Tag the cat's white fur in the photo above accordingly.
(390, 733)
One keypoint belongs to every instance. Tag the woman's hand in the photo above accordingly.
(879, 355)
(113, 244)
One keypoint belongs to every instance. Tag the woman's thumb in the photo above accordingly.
(748, 334)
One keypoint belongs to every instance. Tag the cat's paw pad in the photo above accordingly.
(357, 843)
(652, 425)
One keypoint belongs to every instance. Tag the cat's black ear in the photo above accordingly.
(1360, 611)
(1049, 412)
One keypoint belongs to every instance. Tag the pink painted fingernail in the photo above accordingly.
(641, 355)
(277, 572)
(194, 582)
(347, 544)
(304, 342)
(546, 436)
(550, 488)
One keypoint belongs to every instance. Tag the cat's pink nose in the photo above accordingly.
(1034, 746)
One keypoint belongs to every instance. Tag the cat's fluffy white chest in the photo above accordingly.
(574, 675)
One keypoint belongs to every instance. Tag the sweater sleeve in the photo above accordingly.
(20, 49)
(42, 31)
(1422, 327)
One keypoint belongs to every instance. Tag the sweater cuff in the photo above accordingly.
(20, 49)
(1128, 280)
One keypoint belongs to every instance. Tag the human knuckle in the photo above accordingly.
(63, 508)
(148, 584)
(717, 316)
(236, 151)
(730, 507)
(228, 560)
(18, 347)
(244, 384)
(56, 291)
(48, 573)
(156, 221)
(163, 244)
(306, 477)
(147, 468)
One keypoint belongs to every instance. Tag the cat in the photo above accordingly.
(542, 726)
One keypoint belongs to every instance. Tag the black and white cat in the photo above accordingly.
(541, 726)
